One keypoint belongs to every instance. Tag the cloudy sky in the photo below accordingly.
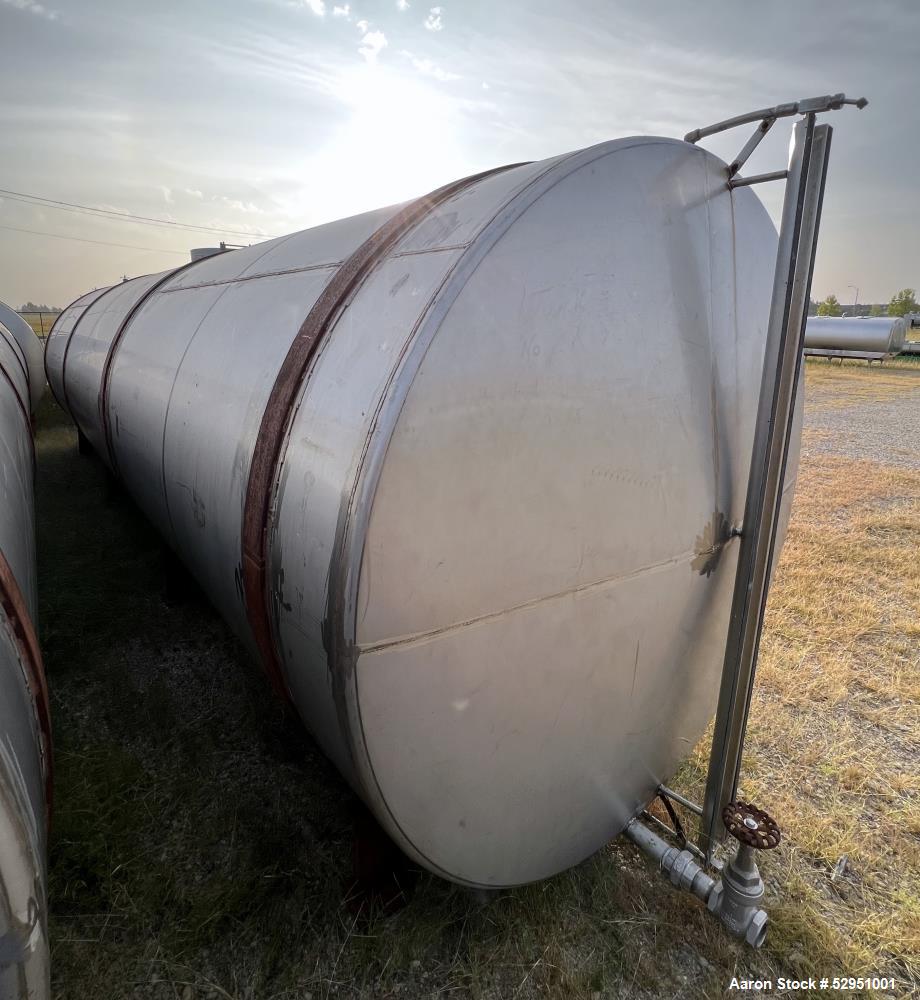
(268, 116)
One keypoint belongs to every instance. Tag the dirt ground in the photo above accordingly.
(202, 846)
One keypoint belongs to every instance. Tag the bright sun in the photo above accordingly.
(399, 140)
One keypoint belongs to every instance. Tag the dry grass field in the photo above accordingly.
(41, 323)
(202, 845)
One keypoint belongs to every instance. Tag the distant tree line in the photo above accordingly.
(902, 303)
(31, 307)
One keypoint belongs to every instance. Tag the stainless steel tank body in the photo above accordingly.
(876, 334)
(25, 733)
(462, 473)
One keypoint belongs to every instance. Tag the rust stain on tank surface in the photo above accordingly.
(709, 544)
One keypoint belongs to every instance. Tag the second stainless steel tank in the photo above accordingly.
(29, 348)
(875, 334)
(462, 474)
(25, 735)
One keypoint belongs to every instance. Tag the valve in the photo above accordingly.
(751, 826)
(737, 896)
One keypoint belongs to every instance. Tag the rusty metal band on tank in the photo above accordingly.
(448, 466)
(277, 414)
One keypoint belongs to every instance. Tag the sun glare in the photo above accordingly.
(397, 142)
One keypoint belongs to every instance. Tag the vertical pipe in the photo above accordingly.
(782, 361)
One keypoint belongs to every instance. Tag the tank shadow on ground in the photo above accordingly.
(188, 800)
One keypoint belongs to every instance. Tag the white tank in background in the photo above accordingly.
(875, 337)
(462, 473)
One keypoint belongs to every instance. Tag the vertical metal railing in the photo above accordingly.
(798, 236)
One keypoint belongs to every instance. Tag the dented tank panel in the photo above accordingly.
(463, 474)
(25, 746)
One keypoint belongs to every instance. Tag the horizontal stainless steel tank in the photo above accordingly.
(25, 735)
(461, 473)
(876, 334)
(17, 330)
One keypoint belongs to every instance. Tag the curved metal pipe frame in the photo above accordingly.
(737, 896)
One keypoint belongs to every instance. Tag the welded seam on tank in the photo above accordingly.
(172, 389)
(20, 623)
(105, 383)
(426, 250)
(597, 586)
(274, 427)
(253, 277)
(73, 330)
(26, 415)
(352, 530)
(51, 336)
(18, 352)
(102, 398)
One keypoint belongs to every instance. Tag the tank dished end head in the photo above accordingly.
(751, 826)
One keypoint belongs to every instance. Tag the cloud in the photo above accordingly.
(371, 45)
(167, 194)
(428, 68)
(317, 6)
(239, 206)
(344, 11)
(363, 25)
(433, 22)
(402, 4)
(33, 8)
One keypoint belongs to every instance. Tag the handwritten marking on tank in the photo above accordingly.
(396, 287)
(602, 472)
(18, 942)
(198, 507)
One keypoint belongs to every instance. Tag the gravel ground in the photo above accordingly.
(886, 429)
